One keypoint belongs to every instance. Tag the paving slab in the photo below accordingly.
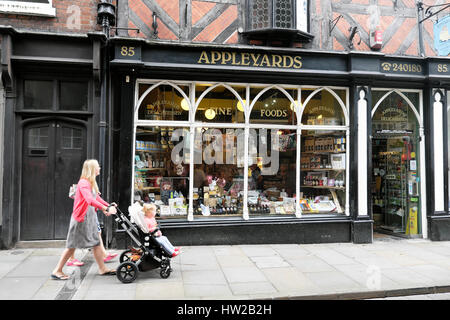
(240, 272)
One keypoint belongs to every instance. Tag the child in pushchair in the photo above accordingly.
(149, 212)
(149, 255)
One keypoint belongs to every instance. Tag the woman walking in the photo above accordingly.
(83, 232)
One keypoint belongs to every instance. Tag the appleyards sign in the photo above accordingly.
(250, 59)
(238, 59)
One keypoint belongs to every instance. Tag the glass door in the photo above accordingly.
(395, 164)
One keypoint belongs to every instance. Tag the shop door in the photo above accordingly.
(395, 168)
(53, 153)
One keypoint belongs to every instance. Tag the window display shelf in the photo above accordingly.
(322, 169)
(149, 188)
(324, 187)
(322, 152)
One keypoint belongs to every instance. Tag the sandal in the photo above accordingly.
(60, 277)
(110, 257)
(109, 273)
(74, 263)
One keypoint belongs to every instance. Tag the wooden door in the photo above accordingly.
(53, 153)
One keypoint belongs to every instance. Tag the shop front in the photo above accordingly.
(397, 144)
(259, 146)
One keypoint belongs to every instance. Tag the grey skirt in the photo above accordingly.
(84, 234)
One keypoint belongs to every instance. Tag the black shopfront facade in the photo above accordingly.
(355, 136)
(236, 145)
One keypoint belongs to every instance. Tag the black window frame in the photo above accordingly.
(55, 107)
(272, 34)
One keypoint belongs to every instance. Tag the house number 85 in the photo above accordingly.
(127, 51)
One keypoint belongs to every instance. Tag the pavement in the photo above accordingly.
(388, 268)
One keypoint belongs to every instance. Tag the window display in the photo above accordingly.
(322, 168)
(218, 173)
(248, 160)
(271, 175)
(162, 174)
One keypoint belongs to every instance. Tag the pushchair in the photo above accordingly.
(149, 254)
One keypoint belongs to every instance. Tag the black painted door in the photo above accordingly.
(53, 153)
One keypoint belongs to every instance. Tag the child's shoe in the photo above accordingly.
(175, 253)
(74, 263)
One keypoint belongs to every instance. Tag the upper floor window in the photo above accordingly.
(277, 22)
(54, 95)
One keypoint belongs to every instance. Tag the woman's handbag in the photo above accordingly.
(72, 191)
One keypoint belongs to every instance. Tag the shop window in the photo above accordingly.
(220, 104)
(218, 172)
(323, 172)
(322, 107)
(271, 176)
(161, 169)
(164, 102)
(38, 94)
(73, 96)
(273, 106)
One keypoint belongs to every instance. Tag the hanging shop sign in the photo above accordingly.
(28, 7)
(441, 36)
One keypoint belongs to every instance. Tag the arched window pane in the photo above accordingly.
(164, 102)
(220, 105)
(273, 107)
(323, 108)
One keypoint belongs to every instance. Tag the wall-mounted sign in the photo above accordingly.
(250, 59)
(125, 52)
(403, 67)
(441, 33)
(29, 7)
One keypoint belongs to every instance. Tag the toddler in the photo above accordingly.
(149, 217)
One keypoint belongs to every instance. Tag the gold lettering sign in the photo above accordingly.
(401, 67)
(393, 114)
(442, 68)
(250, 59)
(127, 51)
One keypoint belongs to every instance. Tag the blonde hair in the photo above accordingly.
(88, 172)
(148, 206)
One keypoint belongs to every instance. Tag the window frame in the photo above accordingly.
(192, 124)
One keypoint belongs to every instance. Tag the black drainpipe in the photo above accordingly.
(106, 17)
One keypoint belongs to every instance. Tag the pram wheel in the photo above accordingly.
(127, 272)
(125, 256)
(165, 269)
(165, 273)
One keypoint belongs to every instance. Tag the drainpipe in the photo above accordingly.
(106, 17)
(419, 25)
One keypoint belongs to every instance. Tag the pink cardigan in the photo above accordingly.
(84, 199)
